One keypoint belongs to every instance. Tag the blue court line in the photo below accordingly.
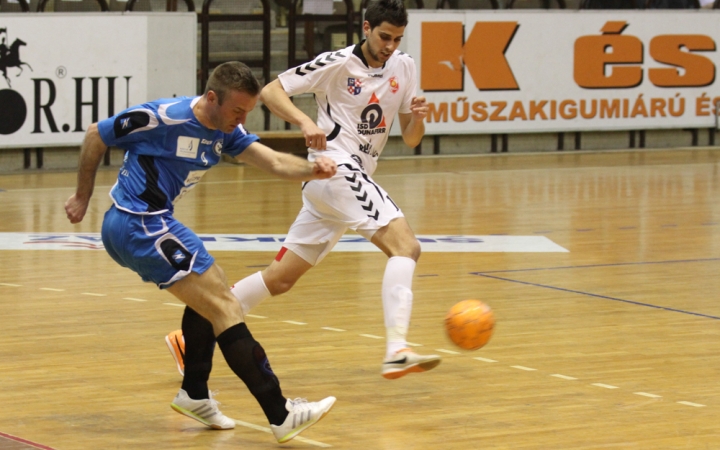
(672, 261)
(604, 297)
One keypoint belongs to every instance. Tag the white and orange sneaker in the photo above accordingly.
(176, 344)
(406, 361)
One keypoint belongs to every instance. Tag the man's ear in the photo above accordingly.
(212, 97)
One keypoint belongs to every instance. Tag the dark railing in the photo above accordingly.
(24, 6)
(205, 64)
(171, 5)
(544, 4)
(294, 18)
(441, 4)
(102, 3)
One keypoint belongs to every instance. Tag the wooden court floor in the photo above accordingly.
(612, 344)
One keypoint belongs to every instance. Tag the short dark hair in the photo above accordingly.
(235, 76)
(392, 11)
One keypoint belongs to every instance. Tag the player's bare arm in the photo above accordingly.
(91, 153)
(287, 166)
(276, 99)
(413, 124)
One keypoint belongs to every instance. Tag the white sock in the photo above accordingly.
(397, 300)
(250, 291)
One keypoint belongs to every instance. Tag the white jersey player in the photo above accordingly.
(357, 102)
(359, 91)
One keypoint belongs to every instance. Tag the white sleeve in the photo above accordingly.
(412, 87)
(311, 77)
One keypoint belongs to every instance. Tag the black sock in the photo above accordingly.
(247, 359)
(199, 347)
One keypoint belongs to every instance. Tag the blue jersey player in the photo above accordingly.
(169, 145)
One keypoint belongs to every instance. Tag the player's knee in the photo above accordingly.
(415, 249)
(411, 249)
(280, 286)
(229, 309)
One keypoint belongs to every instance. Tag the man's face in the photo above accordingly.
(382, 41)
(233, 111)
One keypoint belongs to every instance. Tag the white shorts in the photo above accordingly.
(350, 199)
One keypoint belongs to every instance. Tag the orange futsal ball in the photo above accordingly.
(469, 324)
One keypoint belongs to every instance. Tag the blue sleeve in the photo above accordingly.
(126, 127)
(238, 141)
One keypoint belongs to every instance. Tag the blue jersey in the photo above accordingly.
(167, 152)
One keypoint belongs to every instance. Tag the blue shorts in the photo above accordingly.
(157, 247)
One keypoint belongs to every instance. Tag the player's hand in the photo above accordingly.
(324, 167)
(314, 137)
(419, 108)
(75, 208)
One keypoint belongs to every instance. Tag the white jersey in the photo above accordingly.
(356, 103)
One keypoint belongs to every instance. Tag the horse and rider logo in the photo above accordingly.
(10, 56)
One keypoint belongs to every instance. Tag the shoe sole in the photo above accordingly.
(190, 414)
(415, 368)
(304, 427)
(173, 352)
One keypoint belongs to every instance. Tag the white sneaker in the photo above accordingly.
(302, 414)
(406, 361)
(204, 411)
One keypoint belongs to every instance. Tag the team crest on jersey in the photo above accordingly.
(394, 85)
(217, 147)
(354, 86)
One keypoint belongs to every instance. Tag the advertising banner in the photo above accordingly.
(61, 72)
(550, 71)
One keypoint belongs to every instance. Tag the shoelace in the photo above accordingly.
(214, 402)
(300, 404)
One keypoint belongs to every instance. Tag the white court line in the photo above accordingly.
(487, 360)
(292, 322)
(606, 386)
(697, 405)
(267, 430)
(63, 336)
(449, 352)
(645, 394)
(371, 336)
(10, 284)
(413, 344)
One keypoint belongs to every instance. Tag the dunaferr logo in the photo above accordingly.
(372, 118)
(611, 60)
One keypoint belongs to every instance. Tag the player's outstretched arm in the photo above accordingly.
(285, 165)
(276, 99)
(413, 124)
(91, 152)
